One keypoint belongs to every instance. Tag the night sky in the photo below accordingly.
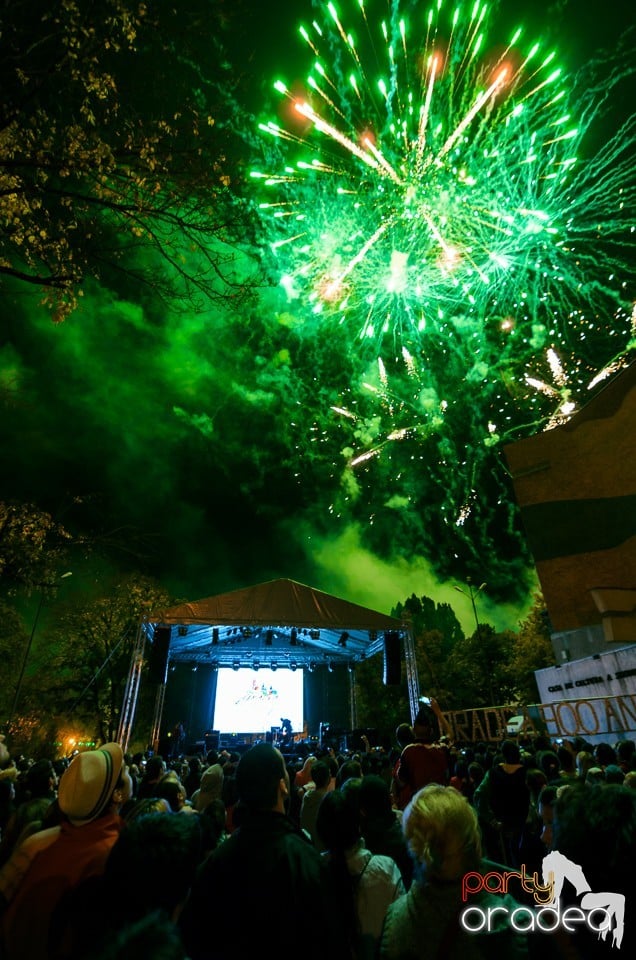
(196, 438)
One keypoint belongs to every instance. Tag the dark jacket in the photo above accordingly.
(262, 889)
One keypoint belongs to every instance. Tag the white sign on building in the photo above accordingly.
(593, 698)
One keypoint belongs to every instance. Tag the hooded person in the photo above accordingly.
(211, 787)
(90, 794)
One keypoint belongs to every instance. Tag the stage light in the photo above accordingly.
(183, 631)
(312, 666)
(314, 634)
(274, 666)
(255, 665)
(330, 667)
(236, 665)
(293, 638)
(293, 665)
(342, 642)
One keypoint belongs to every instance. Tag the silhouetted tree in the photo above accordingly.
(112, 148)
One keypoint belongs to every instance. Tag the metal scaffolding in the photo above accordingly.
(156, 719)
(412, 679)
(131, 693)
(353, 703)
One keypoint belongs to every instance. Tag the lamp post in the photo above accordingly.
(472, 594)
(27, 649)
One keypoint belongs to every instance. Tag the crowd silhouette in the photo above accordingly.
(352, 854)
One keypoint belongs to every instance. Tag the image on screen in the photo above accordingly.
(249, 701)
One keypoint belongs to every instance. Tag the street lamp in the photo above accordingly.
(472, 594)
(27, 649)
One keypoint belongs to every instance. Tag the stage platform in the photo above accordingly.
(340, 741)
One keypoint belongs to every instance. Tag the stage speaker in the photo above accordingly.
(159, 651)
(392, 658)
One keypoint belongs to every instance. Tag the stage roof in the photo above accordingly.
(280, 622)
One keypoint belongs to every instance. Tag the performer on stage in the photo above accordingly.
(178, 739)
(286, 730)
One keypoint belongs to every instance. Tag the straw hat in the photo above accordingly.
(86, 787)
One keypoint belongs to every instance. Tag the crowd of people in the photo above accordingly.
(358, 855)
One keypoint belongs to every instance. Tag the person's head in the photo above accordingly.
(40, 778)
(614, 774)
(210, 787)
(172, 790)
(594, 776)
(262, 780)
(351, 790)
(212, 820)
(375, 799)
(142, 808)
(350, 768)
(333, 766)
(547, 799)
(426, 724)
(541, 742)
(155, 769)
(153, 864)
(442, 832)
(535, 781)
(630, 780)
(596, 829)
(604, 754)
(404, 734)
(338, 822)
(321, 774)
(475, 773)
(584, 760)
(95, 783)
(461, 769)
(549, 764)
(566, 759)
(510, 752)
(625, 750)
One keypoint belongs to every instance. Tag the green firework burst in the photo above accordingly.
(432, 171)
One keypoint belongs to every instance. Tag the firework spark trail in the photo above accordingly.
(449, 150)
(440, 205)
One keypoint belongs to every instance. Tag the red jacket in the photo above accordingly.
(78, 853)
(419, 765)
